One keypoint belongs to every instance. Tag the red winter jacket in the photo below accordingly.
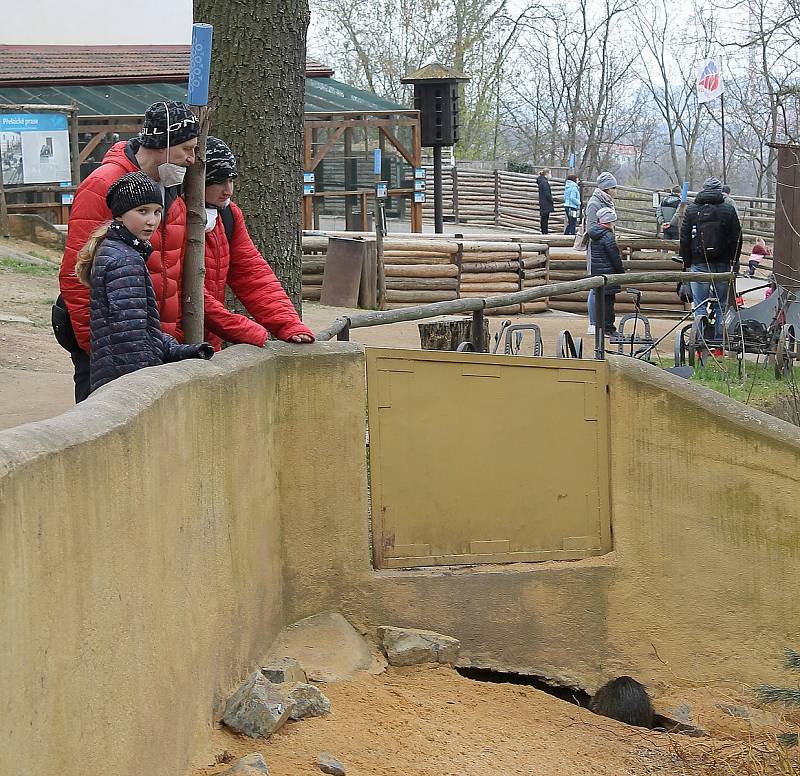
(89, 210)
(243, 268)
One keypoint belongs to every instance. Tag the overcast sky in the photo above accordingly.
(90, 22)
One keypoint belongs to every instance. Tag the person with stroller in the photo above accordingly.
(606, 260)
(124, 326)
(711, 241)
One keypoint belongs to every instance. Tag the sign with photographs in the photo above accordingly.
(34, 148)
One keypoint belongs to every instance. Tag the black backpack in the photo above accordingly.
(708, 240)
(226, 214)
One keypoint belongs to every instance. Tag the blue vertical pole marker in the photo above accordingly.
(685, 191)
(200, 64)
(571, 162)
(377, 162)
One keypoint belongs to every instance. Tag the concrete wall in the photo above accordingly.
(140, 554)
(154, 539)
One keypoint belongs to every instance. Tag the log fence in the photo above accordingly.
(499, 198)
(441, 268)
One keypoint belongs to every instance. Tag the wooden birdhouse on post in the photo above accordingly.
(436, 99)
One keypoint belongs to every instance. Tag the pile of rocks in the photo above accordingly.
(332, 650)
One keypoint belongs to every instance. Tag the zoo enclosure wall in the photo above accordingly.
(147, 558)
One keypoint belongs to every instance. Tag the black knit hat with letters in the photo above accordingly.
(220, 161)
(183, 125)
(131, 191)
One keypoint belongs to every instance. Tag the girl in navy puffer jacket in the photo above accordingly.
(124, 326)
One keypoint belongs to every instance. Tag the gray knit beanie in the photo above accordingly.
(606, 181)
(712, 184)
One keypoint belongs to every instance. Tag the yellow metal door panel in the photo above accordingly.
(486, 459)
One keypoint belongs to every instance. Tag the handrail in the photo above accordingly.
(377, 318)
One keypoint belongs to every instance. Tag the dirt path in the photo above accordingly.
(430, 721)
(35, 372)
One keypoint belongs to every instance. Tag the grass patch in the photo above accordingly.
(757, 385)
(23, 268)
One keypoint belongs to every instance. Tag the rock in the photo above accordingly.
(409, 646)
(307, 701)
(252, 765)
(680, 713)
(258, 708)
(283, 670)
(329, 764)
(327, 646)
(758, 718)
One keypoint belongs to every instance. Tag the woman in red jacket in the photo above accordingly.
(163, 150)
(232, 259)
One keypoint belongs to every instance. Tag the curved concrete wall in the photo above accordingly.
(154, 539)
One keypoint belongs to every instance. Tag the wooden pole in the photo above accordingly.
(194, 264)
(5, 229)
(416, 208)
(74, 153)
(629, 279)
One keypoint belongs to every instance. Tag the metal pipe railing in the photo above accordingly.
(340, 328)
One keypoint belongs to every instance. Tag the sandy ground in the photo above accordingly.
(430, 721)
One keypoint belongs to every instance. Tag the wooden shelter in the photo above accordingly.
(111, 86)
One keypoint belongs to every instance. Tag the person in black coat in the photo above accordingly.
(124, 325)
(546, 205)
(606, 260)
(711, 241)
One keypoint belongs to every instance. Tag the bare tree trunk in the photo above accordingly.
(258, 77)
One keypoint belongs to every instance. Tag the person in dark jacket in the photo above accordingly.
(667, 214)
(711, 241)
(232, 259)
(606, 260)
(546, 205)
(124, 327)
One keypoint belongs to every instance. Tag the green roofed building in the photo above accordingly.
(111, 87)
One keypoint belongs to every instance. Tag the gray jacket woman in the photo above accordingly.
(603, 196)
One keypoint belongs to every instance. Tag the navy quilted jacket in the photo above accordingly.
(124, 326)
(606, 259)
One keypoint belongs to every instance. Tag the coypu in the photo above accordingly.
(624, 700)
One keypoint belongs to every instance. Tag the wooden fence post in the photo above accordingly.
(454, 174)
(497, 197)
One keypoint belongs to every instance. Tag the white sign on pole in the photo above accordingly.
(709, 80)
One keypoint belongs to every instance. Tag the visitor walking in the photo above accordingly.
(124, 327)
(546, 205)
(606, 260)
(232, 259)
(667, 215)
(572, 203)
(602, 197)
(710, 241)
(163, 150)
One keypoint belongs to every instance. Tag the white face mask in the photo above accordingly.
(211, 218)
(171, 174)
